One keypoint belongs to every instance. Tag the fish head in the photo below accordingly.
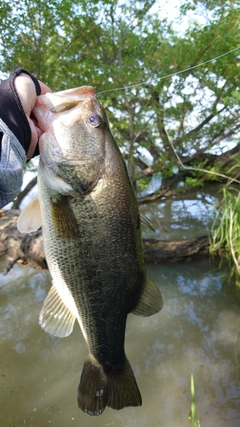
(72, 144)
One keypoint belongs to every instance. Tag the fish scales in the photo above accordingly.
(92, 242)
(108, 267)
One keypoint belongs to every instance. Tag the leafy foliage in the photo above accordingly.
(68, 44)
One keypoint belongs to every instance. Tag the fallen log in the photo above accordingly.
(27, 249)
(160, 251)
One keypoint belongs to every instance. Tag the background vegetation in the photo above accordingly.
(111, 44)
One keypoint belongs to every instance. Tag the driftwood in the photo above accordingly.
(17, 247)
(28, 248)
(160, 251)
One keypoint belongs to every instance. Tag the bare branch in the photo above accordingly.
(214, 142)
(199, 169)
(23, 193)
(204, 122)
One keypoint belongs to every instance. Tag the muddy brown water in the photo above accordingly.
(198, 332)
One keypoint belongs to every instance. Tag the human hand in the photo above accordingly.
(26, 90)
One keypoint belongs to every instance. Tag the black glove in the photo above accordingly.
(11, 109)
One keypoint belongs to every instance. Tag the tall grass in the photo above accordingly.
(192, 414)
(226, 233)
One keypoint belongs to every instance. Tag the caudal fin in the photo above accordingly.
(98, 389)
(123, 389)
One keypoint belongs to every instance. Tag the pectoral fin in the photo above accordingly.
(64, 219)
(30, 217)
(55, 318)
(150, 301)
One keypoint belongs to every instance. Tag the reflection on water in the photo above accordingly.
(197, 332)
(186, 216)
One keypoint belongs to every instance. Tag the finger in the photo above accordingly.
(26, 92)
(44, 88)
(34, 139)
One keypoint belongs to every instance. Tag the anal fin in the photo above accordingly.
(150, 301)
(55, 318)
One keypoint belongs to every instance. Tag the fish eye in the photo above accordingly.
(94, 120)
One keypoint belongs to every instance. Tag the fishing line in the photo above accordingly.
(190, 168)
(170, 142)
(171, 74)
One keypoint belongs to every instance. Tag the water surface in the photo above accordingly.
(184, 216)
(197, 332)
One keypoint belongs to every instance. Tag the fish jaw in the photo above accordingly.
(47, 104)
(72, 148)
(64, 118)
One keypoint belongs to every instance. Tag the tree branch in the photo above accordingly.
(214, 142)
(201, 170)
(24, 193)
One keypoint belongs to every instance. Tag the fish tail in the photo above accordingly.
(123, 389)
(98, 389)
(92, 390)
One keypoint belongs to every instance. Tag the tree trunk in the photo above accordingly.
(27, 249)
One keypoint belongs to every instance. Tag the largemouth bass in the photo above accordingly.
(92, 241)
